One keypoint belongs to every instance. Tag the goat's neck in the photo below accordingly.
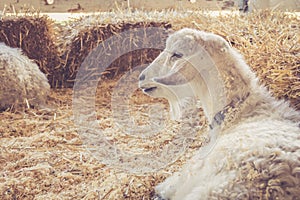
(222, 87)
(211, 96)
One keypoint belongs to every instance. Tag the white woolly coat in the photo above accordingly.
(22, 82)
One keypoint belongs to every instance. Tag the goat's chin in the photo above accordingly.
(151, 93)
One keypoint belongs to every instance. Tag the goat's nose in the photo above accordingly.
(142, 77)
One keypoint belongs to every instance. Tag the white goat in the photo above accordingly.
(257, 151)
(22, 82)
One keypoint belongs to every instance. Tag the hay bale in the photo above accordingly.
(35, 35)
(22, 81)
(89, 38)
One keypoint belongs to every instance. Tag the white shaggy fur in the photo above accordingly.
(257, 152)
(22, 83)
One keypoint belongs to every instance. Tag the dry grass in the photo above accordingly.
(42, 156)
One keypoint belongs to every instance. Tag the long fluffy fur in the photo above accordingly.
(22, 83)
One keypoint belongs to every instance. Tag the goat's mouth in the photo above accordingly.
(150, 89)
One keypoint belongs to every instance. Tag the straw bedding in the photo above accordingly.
(41, 153)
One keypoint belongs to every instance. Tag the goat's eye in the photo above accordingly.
(177, 55)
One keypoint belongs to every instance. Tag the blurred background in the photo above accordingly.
(108, 5)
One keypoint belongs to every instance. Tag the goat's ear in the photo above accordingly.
(181, 76)
(213, 44)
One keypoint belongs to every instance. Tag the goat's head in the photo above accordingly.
(191, 65)
(168, 76)
(170, 67)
